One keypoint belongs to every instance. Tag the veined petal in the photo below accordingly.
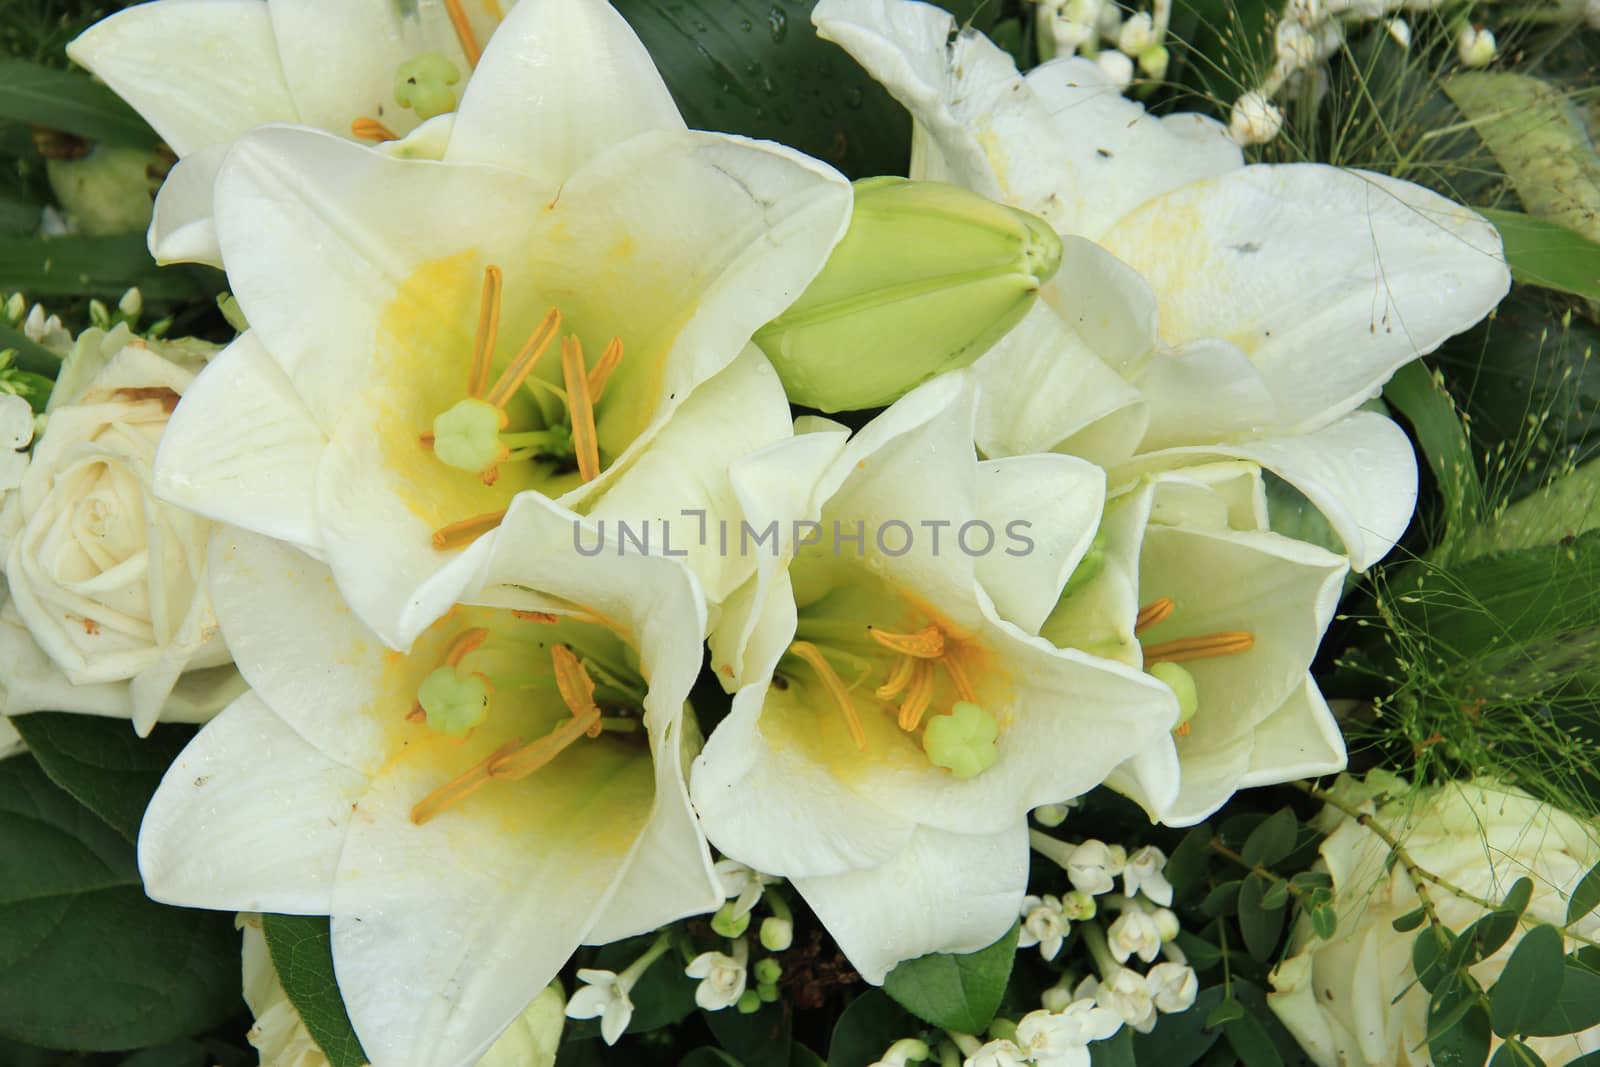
(943, 892)
(250, 817)
(182, 229)
(1205, 390)
(1397, 270)
(506, 888)
(339, 60)
(242, 449)
(561, 82)
(201, 72)
(1055, 503)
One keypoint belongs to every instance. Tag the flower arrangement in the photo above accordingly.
(1042, 533)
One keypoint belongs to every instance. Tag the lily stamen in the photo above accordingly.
(467, 530)
(465, 642)
(511, 379)
(576, 687)
(900, 676)
(459, 788)
(835, 686)
(585, 440)
(919, 697)
(464, 34)
(926, 643)
(601, 374)
(488, 333)
(1222, 643)
(959, 677)
(1153, 613)
(544, 617)
(366, 129)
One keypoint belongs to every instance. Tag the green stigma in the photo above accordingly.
(467, 436)
(1088, 569)
(962, 742)
(1181, 682)
(455, 703)
(423, 85)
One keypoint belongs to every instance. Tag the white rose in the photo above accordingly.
(1335, 996)
(108, 612)
(281, 1036)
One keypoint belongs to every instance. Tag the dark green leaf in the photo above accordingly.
(1180, 1039)
(708, 1057)
(1309, 881)
(1200, 952)
(1585, 895)
(1496, 928)
(870, 1024)
(302, 954)
(760, 1039)
(1222, 899)
(1410, 920)
(1116, 1051)
(1276, 896)
(1259, 924)
(1442, 438)
(1186, 867)
(93, 266)
(1224, 1013)
(69, 101)
(800, 1056)
(1428, 955)
(106, 766)
(758, 68)
(1547, 254)
(1514, 1053)
(1530, 983)
(955, 992)
(1577, 1006)
(87, 961)
(1251, 1042)
(1458, 1026)
(1324, 921)
(30, 356)
(1272, 840)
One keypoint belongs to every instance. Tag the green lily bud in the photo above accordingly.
(767, 971)
(728, 925)
(927, 277)
(749, 1002)
(109, 191)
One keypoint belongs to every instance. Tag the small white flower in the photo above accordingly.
(1043, 924)
(1070, 36)
(1134, 933)
(998, 1054)
(1059, 996)
(1128, 995)
(722, 977)
(1166, 923)
(1475, 45)
(1062, 1038)
(1172, 987)
(1295, 46)
(1400, 30)
(1254, 120)
(743, 883)
(1146, 873)
(1078, 905)
(1051, 816)
(603, 996)
(1137, 34)
(1117, 67)
(1089, 868)
(46, 331)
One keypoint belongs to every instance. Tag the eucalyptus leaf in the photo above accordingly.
(1464, 1042)
(1271, 841)
(1260, 925)
(1514, 1053)
(1251, 1042)
(1585, 895)
(302, 954)
(1575, 1008)
(955, 992)
(1428, 953)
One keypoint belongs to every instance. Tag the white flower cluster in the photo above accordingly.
(1097, 30)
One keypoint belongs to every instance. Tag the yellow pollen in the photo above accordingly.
(899, 678)
(926, 643)
(543, 617)
(1183, 728)
(488, 333)
(835, 687)
(585, 441)
(465, 642)
(365, 129)
(464, 34)
(466, 531)
(576, 687)
(1157, 611)
(603, 369)
(511, 379)
(1222, 643)
(918, 698)
(959, 678)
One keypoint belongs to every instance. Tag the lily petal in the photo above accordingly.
(1206, 390)
(250, 817)
(1300, 740)
(182, 229)
(954, 893)
(334, 55)
(561, 82)
(201, 72)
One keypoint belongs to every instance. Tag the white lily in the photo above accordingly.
(448, 808)
(1203, 307)
(389, 399)
(1188, 583)
(880, 696)
(205, 72)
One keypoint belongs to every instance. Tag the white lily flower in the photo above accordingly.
(1173, 986)
(389, 399)
(1128, 995)
(722, 977)
(1235, 309)
(1134, 933)
(448, 809)
(742, 885)
(1062, 1038)
(879, 693)
(1190, 585)
(1043, 924)
(205, 72)
(1145, 872)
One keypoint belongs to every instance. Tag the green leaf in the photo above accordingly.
(1428, 955)
(1251, 1042)
(758, 68)
(1272, 840)
(69, 101)
(1496, 928)
(1186, 867)
(1410, 920)
(664, 995)
(1458, 1027)
(955, 992)
(1442, 437)
(1324, 921)
(1259, 924)
(1576, 1007)
(869, 1025)
(105, 766)
(1180, 1039)
(1530, 983)
(800, 1056)
(302, 954)
(31, 356)
(1276, 896)
(1547, 254)
(1116, 1051)
(96, 266)
(1514, 1053)
(87, 961)
(1224, 1013)
(709, 1057)
(760, 1039)
(1585, 895)
(1222, 899)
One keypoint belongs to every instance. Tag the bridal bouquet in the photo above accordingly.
(849, 532)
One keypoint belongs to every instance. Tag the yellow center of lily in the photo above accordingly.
(1163, 660)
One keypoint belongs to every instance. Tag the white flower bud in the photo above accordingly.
(1137, 34)
(1173, 987)
(1153, 62)
(1057, 997)
(1089, 868)
(1400, 31)
(776, 934)
(1255, 119)
(1117, 67)
(1063, 1037)
(1475, 45)
(1070, 36)
(1295, 47)
(1078, 905)
(16, 308)
(132, 303)
(1050, 816)
(1134, 933)
(1167, 923)
(906, 1050)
